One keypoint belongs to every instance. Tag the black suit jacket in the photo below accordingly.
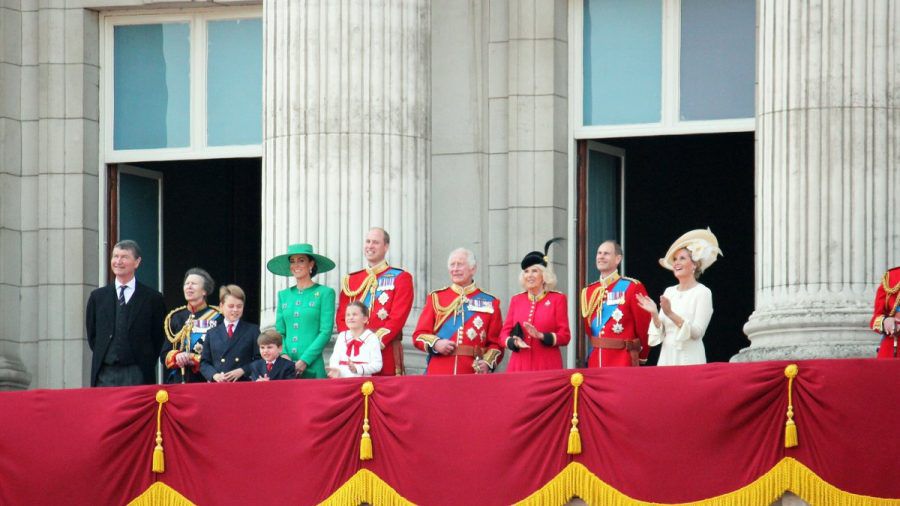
(222, 353)
(145, 336)
(282, 369)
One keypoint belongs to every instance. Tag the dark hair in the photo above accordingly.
(269, 336)
(315, 266)
(616, 246)
(129, 245)
(208, 284)
(362, 307)
(232, 290)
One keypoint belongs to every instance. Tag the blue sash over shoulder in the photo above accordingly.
(599, 321)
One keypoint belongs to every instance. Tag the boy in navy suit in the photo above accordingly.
(231, 345)
(272, 366)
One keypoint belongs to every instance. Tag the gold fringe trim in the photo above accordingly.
(160, 494)
(788, 475)
(366, 487)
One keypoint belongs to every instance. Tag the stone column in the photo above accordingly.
(346, 133)
(828, 147)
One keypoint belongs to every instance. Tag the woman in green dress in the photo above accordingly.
(305, 312)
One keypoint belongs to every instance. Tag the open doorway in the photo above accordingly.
(204, 213)
(647, 191)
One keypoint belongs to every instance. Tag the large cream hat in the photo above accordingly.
(702, 244)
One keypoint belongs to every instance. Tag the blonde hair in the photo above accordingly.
(232, 290)
(547, 273)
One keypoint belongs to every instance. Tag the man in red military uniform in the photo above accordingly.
(613, 321)
(884, 320)
(460, 325)
(388, 292)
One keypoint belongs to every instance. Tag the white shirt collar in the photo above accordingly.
(130, 284)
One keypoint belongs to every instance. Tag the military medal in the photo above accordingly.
(617, 315)
(477, 322)
(471, 333)
(383, 298)
(382, 313)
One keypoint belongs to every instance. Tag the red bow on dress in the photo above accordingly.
(353, 347)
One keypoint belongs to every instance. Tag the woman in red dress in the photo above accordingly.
(537, 322)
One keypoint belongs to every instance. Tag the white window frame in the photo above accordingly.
(669, 123)
(197, 148)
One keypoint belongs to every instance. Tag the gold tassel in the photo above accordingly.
(790, 428)
(574, 447)
(365, 444)
(159, 460)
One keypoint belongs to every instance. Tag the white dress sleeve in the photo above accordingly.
(371, 350)
(339, 351)
(655, 334)
(695, 323)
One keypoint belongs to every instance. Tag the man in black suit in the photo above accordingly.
(124, 322)
(230, 347)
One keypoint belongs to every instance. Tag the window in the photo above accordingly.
(183, 85)
(659, 67)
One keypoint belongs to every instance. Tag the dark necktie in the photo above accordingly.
(122, 294)
(230, 330)
(268, 366)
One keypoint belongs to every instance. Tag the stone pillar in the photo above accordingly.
(828, 147)
(49, 77)
(529, 170)
(346, 132)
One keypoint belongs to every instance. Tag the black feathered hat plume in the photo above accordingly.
(536, 257)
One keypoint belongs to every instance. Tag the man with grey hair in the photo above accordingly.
(124, 323)
(459, 328)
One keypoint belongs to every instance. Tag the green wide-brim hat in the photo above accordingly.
(281, 265)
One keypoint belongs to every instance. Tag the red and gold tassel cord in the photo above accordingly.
(574, 447)
(365, 444)
(159, 460)
(790, 428)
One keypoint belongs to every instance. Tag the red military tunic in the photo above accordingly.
(887, 301)
(620, 340)
(470, 318)
(388, 293)
(548, 312)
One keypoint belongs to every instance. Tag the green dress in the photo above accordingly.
(306, 318)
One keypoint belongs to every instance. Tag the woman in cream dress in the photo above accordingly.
(686, 308)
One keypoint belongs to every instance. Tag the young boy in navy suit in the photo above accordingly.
(272, 366)
(231, 345)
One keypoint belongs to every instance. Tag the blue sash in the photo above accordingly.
(386, 278)
(606, 311)
(453, 323)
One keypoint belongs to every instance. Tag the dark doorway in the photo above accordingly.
(674, 184)
(211, 218)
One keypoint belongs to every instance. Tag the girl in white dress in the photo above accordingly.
(686, 308)
(357, 350)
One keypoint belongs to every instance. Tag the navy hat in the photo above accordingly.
(536, 257)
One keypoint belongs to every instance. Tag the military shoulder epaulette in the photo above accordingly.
(441, 289)
(635, 281)
(177, 309)
(489, 294)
